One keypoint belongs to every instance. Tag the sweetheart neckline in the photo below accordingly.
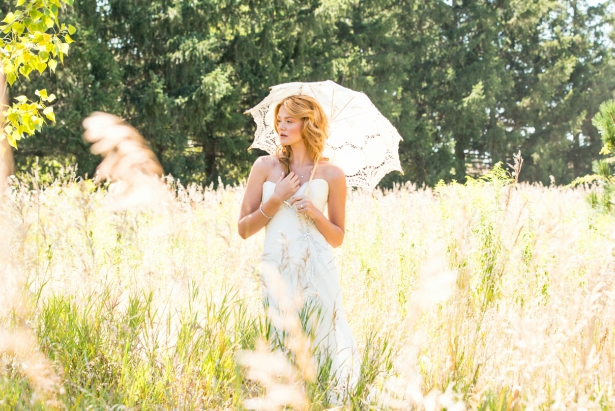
(314, 179)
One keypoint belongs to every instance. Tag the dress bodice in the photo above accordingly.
(288, 223)
(319, 192)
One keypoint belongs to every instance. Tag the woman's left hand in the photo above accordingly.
(303, 205)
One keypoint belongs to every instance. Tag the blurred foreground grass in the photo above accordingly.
(487, 295)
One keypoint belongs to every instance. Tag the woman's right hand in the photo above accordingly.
(286, 186)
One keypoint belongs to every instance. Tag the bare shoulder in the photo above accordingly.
(265, 161)
(333, 174)
(265, 164)
(262, 168)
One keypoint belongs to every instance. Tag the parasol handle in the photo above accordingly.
(307, 190)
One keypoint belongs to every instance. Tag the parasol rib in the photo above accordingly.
(313, 93)
(354, 115)
(338, 113)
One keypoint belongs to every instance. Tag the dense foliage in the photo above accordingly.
(467, 83)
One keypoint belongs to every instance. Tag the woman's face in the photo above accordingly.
(289, 128)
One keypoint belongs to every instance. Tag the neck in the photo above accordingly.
(301, 156)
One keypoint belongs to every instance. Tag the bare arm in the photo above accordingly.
(251, 220)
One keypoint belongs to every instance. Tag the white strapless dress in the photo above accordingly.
(298, 251)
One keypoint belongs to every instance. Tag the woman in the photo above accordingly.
(287, 193)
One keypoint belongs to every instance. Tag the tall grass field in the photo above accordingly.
(489, 295)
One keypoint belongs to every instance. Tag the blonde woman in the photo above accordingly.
(287, 193)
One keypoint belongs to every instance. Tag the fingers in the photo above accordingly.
(303, 208)
(281, 178)
(293, 179)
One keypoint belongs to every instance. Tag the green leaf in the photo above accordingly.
(43, 55)
(9, 68)
(10, 77)
(11, 139)
(40, 67)
(36, 15)
(48, 112)
(71, 29)
(41, 93)
(9, 17)
(49, 22)
(33, 60)
(16, 135)
(25, 70)
(18, 28)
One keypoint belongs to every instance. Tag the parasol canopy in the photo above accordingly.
(362, 141)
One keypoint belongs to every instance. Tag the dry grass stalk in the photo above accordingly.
(124, 149)
(281, 380)
(21, 344)
(403, 390)
(517, 165)
(37, 368)
(129, 163)
(284, 383)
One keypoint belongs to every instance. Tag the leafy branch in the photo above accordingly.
(27, 46)
(604, 121)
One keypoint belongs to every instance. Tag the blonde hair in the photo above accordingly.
(314, 131)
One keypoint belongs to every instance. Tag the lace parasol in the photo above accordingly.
(362, 141)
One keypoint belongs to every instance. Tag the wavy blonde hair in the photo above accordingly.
(314, 131)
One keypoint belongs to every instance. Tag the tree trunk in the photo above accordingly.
(210, 152)
(6, 152)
